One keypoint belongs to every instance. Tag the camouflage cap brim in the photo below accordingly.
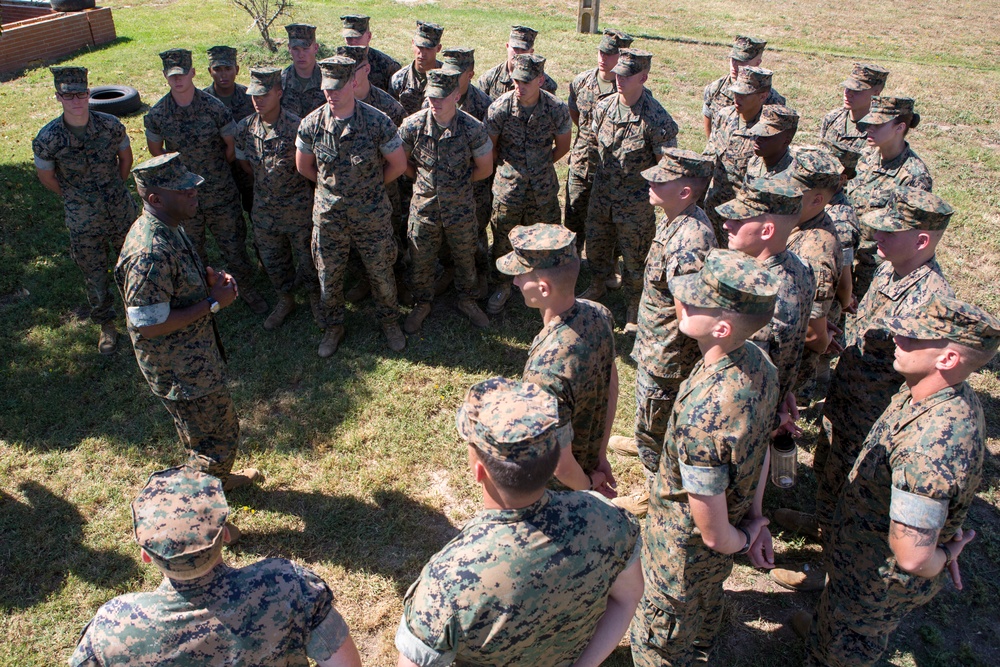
(511, 265)
(885, 220)
(425, 42)
(742, 88)
(874, 118)
(437, 92)
(693, 289)
(947, 318)
(519, 43)
(761, 130)
(175, 69)
(736, 209)
(854, 84)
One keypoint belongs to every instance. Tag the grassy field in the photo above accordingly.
(366, 475)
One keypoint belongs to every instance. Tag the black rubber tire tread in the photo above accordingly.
(115, 100)
(71, 5)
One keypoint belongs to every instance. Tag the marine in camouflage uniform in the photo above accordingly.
(408, 84)
(519, 585)
(716, 443)
(840, 209)
(525, 185)
(350, 206)
(877, 178)
(445, 158)
(766, 161)
(86, 164)
(730, 145)
(273, 612)
(843, 125)
(631, 131)
(300, 95)
(357, 32)
(282, 220)
(573, 356)
(910, 489)
(238, 103)
(746, 51)
(201, 132)
(784, 337)
(585, 91)
(160, 271)
(498, 81)
(664, 357)
(866, 364)
(815, 241)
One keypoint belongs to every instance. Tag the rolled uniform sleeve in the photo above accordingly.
(44, 149)
(386, 135)
(84, 655)
(479, 141)
(154, 132)
(703, 472)
(562, 121)
(327, 629)
(417, 651)
(148, 288)
(305, 137)
(922, 489)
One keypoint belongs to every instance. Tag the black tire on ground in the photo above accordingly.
(71, 5)
(115, 100)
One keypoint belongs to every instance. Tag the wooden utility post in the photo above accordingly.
(587, 16)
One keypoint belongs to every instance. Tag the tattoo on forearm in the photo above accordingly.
(921, 537)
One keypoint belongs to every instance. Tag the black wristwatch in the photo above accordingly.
(213, 305)
(948, 557)
(746, 547)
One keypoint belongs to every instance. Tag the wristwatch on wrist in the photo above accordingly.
(948, 557)
(213, 305)
(746, 547)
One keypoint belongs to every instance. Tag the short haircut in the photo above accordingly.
(519, 478)
(972, 358)
(562, 277)
(698, 186)
(747, 324)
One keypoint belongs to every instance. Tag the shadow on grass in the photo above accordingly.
(393, 536)
(16, 74)
(41, 544)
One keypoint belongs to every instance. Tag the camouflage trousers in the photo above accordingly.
(682, 604)
(209, 430)
(632, 228)
(333, 235)
(482, 192)
(530, 211)
(244, 183)
(426, 235)
(95, 237)
(654, 401)
(226, 223)
(284, 243)
(861, 606)
(578, 187)
(837, 448)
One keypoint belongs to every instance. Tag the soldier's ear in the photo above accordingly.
(723, 328)
(949, 359)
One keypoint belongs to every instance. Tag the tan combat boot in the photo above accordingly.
(108, 341)
(632, 317)
(803, 577)
(595, 292)
(638, 505)
(253, 300)
(802, 523)
(394, 336)
(468, 307)
(416, 318)
(623, 446)
(282, 309)
(240, 478)
(615, 281)
(332, 338)
(499, 299)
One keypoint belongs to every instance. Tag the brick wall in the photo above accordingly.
(53, 36)
(12, 13)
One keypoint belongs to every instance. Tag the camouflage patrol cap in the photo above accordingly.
(774, 119)
(70, 79)
(846, 153)
(337, 72)
(752, 80)
(679, 163)
(428, 35)
(263, 79)
(166, 172)
(441, 83)
(910, 208)
(178, 520)
(512, 421)
(774, 196)
(355, 25)
(865, 76)
(946, 318)
(884, 109)
(539, 246)
(813, 167)
(222, 56)
(458, 59)
(728, 279)
(527, 67)
(746, 48)
(301, 34)
(176, 61)
(522, 37)
(632, 61)
(613, 41)
(359, 54)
